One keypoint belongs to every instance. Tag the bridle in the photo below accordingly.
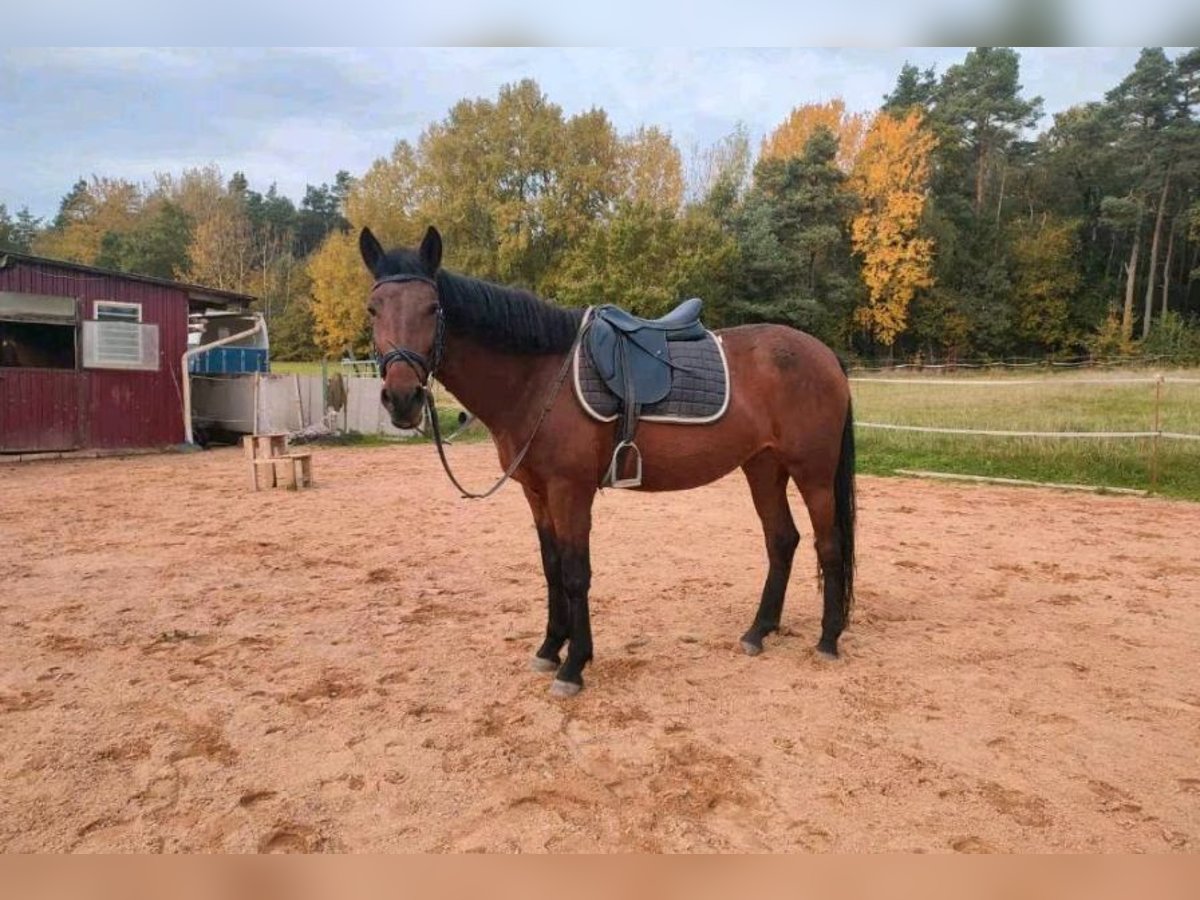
(426, 369)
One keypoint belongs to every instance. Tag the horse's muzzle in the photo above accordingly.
(405, 409)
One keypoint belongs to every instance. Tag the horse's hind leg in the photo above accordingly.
(768, 485)
(821, 510)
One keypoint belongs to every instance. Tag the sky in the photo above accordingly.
(295, 116)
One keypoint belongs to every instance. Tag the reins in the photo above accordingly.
(426, 370)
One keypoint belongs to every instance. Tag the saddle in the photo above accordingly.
(630, 355)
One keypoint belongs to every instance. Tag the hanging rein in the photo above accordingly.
(426, 370)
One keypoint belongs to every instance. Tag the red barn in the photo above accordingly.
(90, 358)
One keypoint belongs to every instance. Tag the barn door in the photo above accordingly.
(39, 409)
(40, 380)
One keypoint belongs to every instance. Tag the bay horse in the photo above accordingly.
(503, 353)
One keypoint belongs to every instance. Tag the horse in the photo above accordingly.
(503, 352)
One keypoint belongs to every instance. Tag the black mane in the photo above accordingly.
(504, 318)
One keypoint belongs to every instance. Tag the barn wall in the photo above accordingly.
(119, 408)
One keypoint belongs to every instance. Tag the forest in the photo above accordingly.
(955, 222)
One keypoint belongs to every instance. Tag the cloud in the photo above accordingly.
(297, 116)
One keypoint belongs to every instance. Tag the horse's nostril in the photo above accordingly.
(385, 398)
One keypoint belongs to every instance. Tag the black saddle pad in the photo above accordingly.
(699, 385)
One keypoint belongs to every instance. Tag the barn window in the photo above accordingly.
(37, 332)
(112, 311)
(117, 339)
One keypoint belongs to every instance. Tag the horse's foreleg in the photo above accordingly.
(768, 485)
(558, 616)
(570, 507)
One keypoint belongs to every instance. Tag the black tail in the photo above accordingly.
(844, 502)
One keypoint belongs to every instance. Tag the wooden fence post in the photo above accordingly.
(1158, 383)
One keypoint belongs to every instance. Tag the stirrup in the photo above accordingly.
(636, 480)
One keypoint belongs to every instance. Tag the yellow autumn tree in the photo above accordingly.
(387, 200)
(651, 169)
(199, 191)
(222, 251)
(89, 212)
(891, 181)
(789, 139)
(340, 284)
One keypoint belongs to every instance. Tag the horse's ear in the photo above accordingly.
(371, 251)
(431, 251)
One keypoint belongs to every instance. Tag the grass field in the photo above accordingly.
(302, 368)
(1066, 403)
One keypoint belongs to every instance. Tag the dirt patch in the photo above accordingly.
(186, 665)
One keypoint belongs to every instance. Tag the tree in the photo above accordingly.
(977, 114)
(791, 137)
(156, 244)
(891, 179)
(651, 169)
(196, 191)
(222, 251)
(87, 213)
(1193, 218)
(1046, 280)
(320, 213)
(794, 264)
(1145, 107)
(720, 175)
(647, 259)
(915, 89)
(340, 285)
(292, 326)
(1124, 217)
(979, 109)
(19, 232)
(587, 183)
(489, 171)
(387, 198)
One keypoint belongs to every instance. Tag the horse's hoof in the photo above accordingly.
(543, 665)
(827, 652)
(564, 688)
(750, 648)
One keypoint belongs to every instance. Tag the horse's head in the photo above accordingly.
(406, 322)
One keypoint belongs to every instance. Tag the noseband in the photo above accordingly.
(423, 368)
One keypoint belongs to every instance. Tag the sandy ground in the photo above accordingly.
(186, 665)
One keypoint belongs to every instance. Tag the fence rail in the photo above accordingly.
(1028, 362)
(928, 429)
(1018, 382)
